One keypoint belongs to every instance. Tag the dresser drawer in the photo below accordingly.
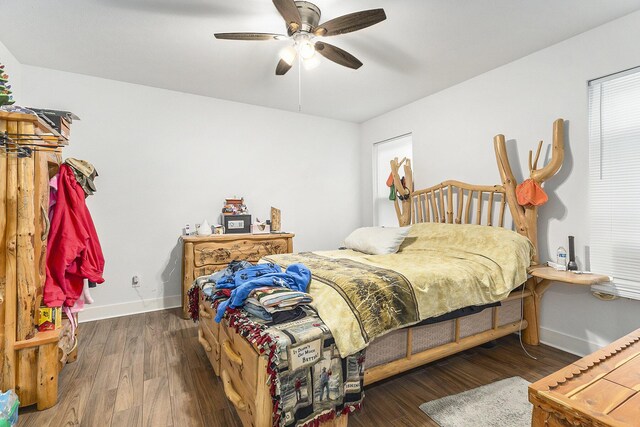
(223, 252)
(207, 270)
(207, 316)
(245, 405)
(211, 346)
(240, 360)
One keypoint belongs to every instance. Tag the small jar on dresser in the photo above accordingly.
(202, 255)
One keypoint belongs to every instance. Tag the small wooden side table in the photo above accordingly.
(541, 278)
(602, 389)
(202, 255)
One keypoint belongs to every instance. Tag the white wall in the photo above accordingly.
(452, 139)
(166, 158)
(14, 69)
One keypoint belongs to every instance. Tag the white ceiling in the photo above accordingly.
(424, 46)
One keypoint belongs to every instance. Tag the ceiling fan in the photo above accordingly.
(302, 19)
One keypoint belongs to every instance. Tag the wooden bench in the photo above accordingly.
(602, 389)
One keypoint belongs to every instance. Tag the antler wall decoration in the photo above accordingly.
(526, 217)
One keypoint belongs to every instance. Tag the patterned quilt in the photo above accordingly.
(309, 381)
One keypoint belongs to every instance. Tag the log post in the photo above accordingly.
(3, 271)
(9, 363)
(187, 277)
(47, 371)
(26, 281)
(526, 217)
(403, 207)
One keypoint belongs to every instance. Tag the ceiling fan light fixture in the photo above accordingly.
(306, 49)
(288, 55)
(311, 63)
(302, 19)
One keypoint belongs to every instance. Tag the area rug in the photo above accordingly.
(500, 404)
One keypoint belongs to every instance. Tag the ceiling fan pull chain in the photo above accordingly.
(299, 84)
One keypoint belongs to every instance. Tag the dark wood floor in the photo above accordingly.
(149, 369)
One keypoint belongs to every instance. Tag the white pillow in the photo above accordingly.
(377, 240)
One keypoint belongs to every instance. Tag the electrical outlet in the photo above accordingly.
(136, 282)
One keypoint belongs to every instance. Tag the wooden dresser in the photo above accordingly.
(31, 359)
(602, 389)
(205, 255)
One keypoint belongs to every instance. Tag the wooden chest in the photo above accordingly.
(205, 255)
(602, 389)
(242, 369)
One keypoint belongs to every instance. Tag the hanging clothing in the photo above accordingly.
(530, 193)
(85, 173)
(53, 195)
(73, 251)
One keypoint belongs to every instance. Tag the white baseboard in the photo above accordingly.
(568, 343)
(124, 309)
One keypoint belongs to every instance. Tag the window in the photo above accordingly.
(614, 181)
(383, 152)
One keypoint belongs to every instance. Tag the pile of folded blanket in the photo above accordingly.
(263, 290)
(276, 304)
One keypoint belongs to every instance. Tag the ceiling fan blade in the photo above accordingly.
(338, 55)
(351, 22)
(290, 13)
(282, 67)
(249, 36)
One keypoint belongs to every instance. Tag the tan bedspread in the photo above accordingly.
(439, 268)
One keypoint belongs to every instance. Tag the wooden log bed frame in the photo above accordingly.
(452, 202)
(243, 370)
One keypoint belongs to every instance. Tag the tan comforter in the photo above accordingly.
(439, 268)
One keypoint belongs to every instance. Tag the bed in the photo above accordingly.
(239, 355)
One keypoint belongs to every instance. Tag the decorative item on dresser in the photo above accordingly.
(601, 389)
(205, 255)
(276, 217)
(29, 156)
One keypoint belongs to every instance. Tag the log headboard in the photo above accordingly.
(456, 202)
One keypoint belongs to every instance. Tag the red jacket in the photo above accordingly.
(73, 249)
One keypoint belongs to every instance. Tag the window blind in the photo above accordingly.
(614, 181)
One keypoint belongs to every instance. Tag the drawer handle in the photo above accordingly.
(232, 395)
(204, 341)
(232, 355)
(204, 313)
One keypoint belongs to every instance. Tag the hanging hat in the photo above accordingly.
(530, 193)
(390, 180)
(85, 173)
